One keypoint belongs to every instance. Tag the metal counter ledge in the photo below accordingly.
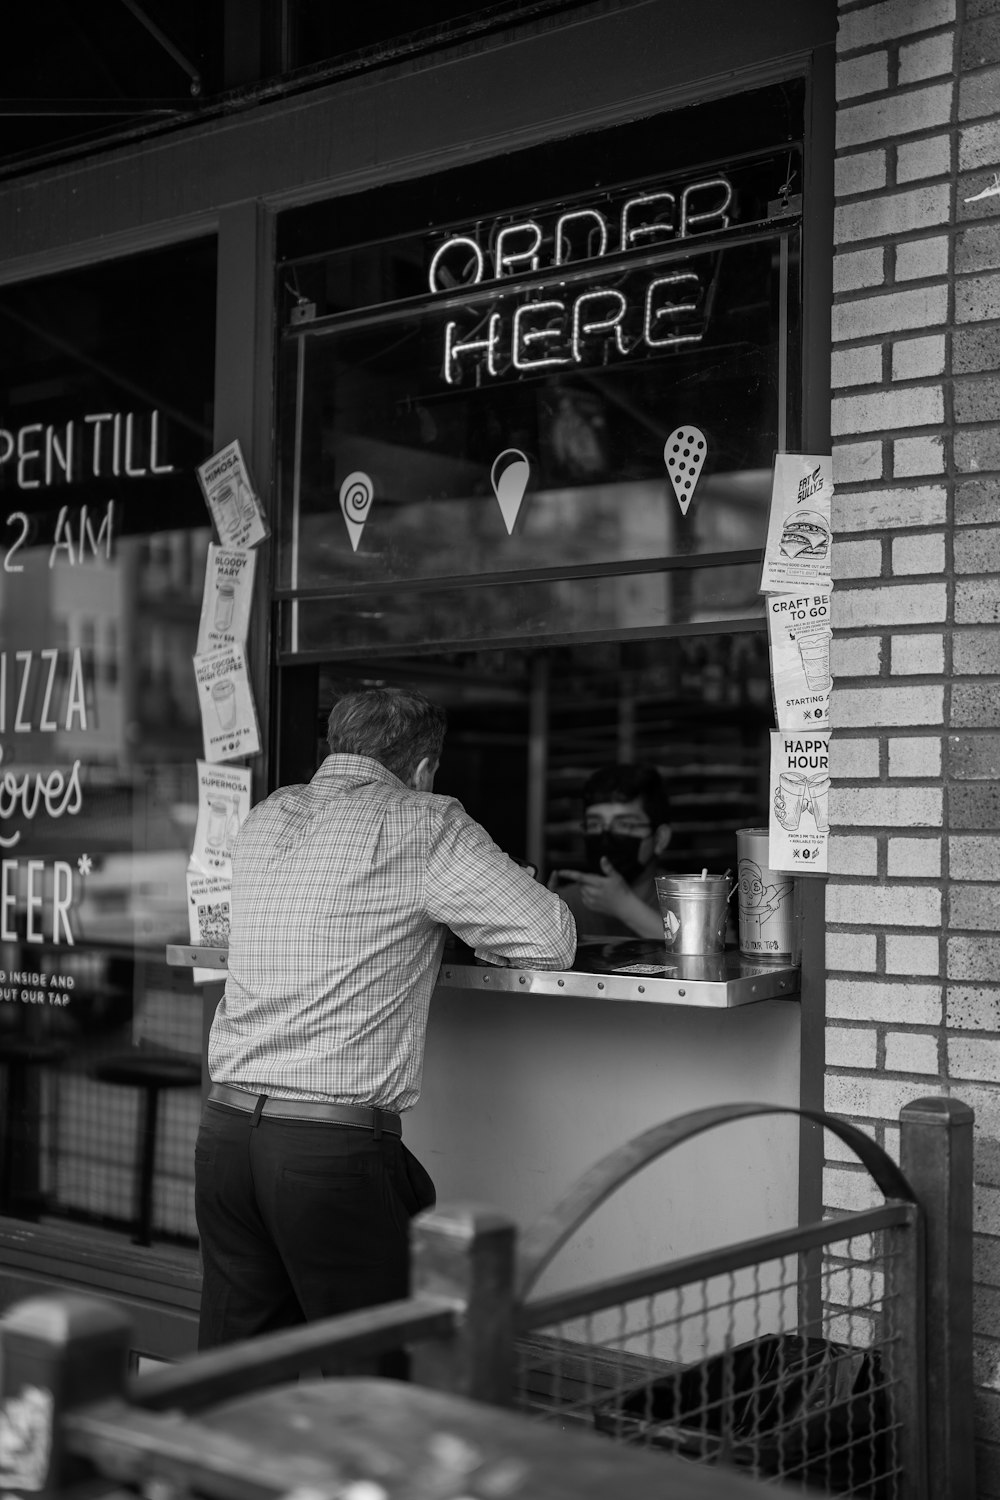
(719, 981)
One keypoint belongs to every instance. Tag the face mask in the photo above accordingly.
(620, 848)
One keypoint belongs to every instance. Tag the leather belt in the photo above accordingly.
(362, 1116)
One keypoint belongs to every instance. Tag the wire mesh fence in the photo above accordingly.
(784, 1357)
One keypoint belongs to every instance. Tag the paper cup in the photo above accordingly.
(766, 900)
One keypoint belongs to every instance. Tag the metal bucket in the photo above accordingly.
(766, 900)
(695, 910)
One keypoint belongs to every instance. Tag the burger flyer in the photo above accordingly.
(797, 549)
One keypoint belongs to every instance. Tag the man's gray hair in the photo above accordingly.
(394, 726)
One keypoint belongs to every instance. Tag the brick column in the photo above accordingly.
(913, 903)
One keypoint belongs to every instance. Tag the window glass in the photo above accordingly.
(580, 449)
(594, 607)
(528, 724)
(106, 379)
(594, 379)
(527, 417)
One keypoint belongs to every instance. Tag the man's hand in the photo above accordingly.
(611, 893)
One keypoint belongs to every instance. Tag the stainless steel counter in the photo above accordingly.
(724, 980)
(612, 973)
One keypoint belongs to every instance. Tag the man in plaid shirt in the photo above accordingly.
(341, 893)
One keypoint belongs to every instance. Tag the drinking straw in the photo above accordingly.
(704, 873)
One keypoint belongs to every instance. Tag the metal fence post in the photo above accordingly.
(936, 1159)
(58, 1352)
(465, 1252)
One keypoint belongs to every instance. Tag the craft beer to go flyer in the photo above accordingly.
(799, 635)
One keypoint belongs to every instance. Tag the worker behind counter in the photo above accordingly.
(625, 829)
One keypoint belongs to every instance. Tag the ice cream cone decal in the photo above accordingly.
(509, 478)
(684, 454)
(355, 502)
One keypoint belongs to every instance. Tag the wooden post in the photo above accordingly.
(936, 1159)
(57, 1352)
(465, 1252)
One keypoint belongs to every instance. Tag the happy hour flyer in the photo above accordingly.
(798, 806)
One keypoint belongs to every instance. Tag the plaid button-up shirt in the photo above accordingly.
(341, 893)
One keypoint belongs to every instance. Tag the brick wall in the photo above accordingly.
(913, 900)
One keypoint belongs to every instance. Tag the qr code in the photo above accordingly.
(213, 924)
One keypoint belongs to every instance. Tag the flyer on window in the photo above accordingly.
(208, 918)
(223, 803)
(799, 801)
(228, 594)
(230, 496)
(228, 716)
(799, 636)
(798, 546)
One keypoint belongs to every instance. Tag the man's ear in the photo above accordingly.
(662, 834)
(422, 779)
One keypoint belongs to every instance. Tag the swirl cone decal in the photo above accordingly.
(356, 494)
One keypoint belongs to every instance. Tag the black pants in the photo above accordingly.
(299, 1220)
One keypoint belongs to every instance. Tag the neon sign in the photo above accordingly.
(550, 325)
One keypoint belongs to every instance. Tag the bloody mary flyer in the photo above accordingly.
(226, 599)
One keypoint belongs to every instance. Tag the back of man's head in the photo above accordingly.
(394, 726)
(626, 782)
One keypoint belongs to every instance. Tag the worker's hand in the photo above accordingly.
(611, 893)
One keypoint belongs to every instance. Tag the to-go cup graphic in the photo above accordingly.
(218, 816)
(224, 698)
(814, 649)
(228, 509)
(246, 502)
(797, 794)
(225, 599)
(819, 801)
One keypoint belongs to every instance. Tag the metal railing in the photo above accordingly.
(833, 1357)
